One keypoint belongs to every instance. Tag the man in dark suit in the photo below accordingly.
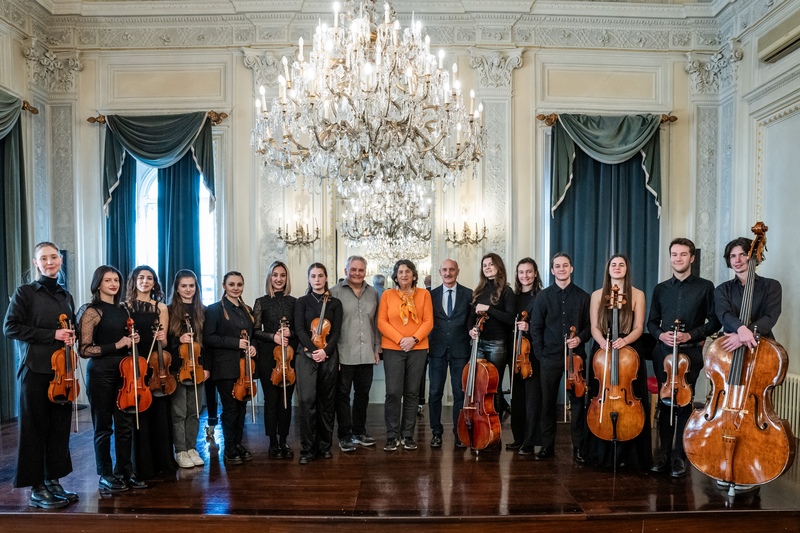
(449, 346)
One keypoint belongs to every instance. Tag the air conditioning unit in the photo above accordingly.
(781, 41)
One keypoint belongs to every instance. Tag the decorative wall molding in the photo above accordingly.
(725, 185)
(714, 73)
(51, 71)
(761, 131)
(41, 185)
(62, 165)
(706, 135)
(496, 174)
(494, 67)
(265, 65)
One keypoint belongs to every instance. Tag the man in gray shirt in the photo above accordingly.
(358, 347)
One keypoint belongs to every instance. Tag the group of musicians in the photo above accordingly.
(334, 337)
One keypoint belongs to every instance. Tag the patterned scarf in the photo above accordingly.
(407, 306)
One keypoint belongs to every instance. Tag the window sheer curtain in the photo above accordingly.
(605, 195)
(14, 253)
(180, 146)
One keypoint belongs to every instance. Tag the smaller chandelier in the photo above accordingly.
(301, 237)
(466, 236)
(367, 105)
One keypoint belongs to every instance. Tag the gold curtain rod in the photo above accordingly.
(550, 119)
(215, 117)
(26, 106)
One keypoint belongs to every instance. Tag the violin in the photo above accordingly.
(321, 327)
(283, 373)
(162, 382)
(675, 390)
(574, 366)
(245, 388)
(737, 437)
(134, 396)
(478, 422)
(64, 387)
(191, 372)
(522, 351)
(615, 414)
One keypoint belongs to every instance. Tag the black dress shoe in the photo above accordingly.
(112, 484)
(135, 483)
(55, 487)
(41, 497)
(275, 452)
(436, 441)
(232, 457)
(678, 468)
(459, 444)
(545, 453)
(305, 458)
(661, 465)
(287, 451)
(325, 455)
(578, 456)
(525, 450)
(244, 453)
(513, 446)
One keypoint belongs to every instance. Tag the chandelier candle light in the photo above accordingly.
(369, 105)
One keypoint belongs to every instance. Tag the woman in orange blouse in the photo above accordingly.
(405, 318)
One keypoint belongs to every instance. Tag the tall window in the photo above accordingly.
(147, 231)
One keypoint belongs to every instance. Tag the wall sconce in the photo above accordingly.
(303, 236)
(466, 236)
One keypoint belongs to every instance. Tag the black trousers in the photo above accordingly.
(437, 370)
(102, 386)
(211, 403)
(551, 374)
(233, 413)
(277, 418)
(403, 374)
(526, 406)
(316, 396)
(671, 429)
(44, 426)
(353, 421)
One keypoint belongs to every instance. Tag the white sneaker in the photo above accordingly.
(195, 457)
(184, 461)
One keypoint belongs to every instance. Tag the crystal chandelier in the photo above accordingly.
(368, 106)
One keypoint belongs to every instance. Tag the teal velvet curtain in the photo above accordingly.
(14, 254)
(161, 142)
(601, 208)
(178, 219)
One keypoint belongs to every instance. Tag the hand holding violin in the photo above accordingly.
(244, 344)
(127, 341)
(281, 337)
(319, 355)
(65, 335)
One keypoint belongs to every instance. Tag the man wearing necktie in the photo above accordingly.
(449, 347)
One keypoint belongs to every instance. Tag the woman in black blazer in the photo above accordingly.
(222, 336)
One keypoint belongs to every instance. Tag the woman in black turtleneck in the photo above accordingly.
(495, 297)
(32, 319)
(268, 311)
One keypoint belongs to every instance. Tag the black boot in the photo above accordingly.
(55, 487)
(41, 497)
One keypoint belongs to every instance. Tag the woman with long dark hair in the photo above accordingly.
(222, 336)
(105, 341)
(405, 318)
(637, 452)
(494, 297)
(316, 368)
(269, 310)
(32, 319)
(187, 400)
(152, 441)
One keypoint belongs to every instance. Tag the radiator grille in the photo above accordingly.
(787, 400)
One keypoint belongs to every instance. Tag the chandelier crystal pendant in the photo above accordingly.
(369, 105)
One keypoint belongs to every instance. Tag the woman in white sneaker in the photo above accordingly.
(187, 401)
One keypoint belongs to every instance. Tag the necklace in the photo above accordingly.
(321, 297)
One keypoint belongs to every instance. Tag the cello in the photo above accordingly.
(737, 438)
(64, 387)
(191, 372)
(478, 422)
(162, 382)
(283, 374)
(134, 396)
(675, 391)
(245, 388)
(615, 414)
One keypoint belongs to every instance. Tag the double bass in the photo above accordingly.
(64, 387)
(675, 391)
(245, 387)
(478, 422)
(737, 437)
(162, 382)
(615, 414)
(283, 374)
(134, 396)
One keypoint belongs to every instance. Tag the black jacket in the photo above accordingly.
(450, 335)
(32, 320)
(221, 339)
